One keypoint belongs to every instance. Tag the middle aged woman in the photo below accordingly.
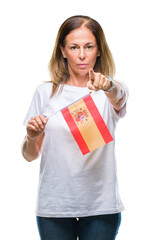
(78, 194)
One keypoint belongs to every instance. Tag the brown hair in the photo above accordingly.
(58, 65)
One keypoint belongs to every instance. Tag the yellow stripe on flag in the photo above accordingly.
(93, 138)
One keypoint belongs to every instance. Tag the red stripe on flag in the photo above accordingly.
(98, 119)
(75, 131)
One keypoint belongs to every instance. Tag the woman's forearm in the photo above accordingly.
(30, 149)
(32, 144)
(117, 96)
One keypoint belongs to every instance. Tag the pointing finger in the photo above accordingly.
(91, 74)
(90, 82)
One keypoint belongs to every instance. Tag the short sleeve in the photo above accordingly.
(122, 113)
(35, 107)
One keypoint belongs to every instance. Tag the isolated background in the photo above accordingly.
(28, 30)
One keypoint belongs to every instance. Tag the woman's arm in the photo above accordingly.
(116, 95)
(31, 148)
(32, 144)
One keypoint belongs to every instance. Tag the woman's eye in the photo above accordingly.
(74, 47)
(89, 47)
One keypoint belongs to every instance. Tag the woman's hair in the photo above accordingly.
(58, 65)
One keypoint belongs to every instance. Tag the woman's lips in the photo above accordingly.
(82, 65)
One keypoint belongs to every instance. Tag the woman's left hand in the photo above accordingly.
(98, 81)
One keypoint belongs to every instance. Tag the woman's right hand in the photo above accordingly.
(36, 126)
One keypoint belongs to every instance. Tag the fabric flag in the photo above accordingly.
(86, 125)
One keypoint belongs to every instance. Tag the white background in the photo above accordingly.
(28, 30)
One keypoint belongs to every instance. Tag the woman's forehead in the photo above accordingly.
(80, 35)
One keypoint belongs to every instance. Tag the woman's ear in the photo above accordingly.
(63, 52)
(98, 54)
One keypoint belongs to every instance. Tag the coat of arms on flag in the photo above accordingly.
(80, 115)
(86, 125)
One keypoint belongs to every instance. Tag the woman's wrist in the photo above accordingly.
(31, 150)
(112, 85)
(116, 96)
(31, 139)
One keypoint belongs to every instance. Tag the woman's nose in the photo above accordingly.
(82, 53)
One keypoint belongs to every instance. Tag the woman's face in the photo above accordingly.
(80, 50)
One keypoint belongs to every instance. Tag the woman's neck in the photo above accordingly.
(78, 81)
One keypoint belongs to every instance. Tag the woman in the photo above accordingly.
(78, 194)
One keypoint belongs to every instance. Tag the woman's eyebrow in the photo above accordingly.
(85, 44)
(89, 43)
(74, 43)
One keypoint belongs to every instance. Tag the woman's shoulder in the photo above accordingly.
(44, 88)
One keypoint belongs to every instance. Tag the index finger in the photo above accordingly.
(43, 119)
(90, 82)
(91, 74)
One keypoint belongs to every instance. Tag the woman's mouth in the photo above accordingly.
(82, 65)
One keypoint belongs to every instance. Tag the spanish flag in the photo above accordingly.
(86, 125)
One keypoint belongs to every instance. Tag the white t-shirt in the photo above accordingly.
(72, 184)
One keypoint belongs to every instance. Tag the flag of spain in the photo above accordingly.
(86, 125)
